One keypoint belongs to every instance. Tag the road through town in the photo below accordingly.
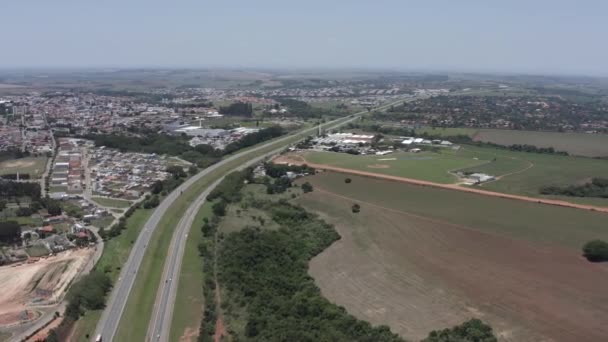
(109, 321)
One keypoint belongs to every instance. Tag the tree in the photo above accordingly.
(356, 208)
(151, 202)
(307, 187)
(596, 251)
(347, 180)
(473, 330)
(176, 171)
(157, 187)
(53, 207)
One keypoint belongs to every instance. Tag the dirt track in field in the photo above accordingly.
(299, 160)
(417, 274)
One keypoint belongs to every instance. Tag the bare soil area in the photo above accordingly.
(18, 163)
(417, 274)
(28, 285)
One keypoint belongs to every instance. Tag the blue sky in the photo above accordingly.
(534, 36)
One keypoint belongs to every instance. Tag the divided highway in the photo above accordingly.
(163, 311)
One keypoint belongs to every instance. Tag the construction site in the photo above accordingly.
(36, 286)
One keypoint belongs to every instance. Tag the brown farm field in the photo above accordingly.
(581, 144)
(420, 259)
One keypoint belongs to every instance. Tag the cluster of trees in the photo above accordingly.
(279, 170)
(279, 182)
(266, 272)
(88, 293)
(10, 232)
(303, 110)
(117, 228)
(14, 190)
(237, 109)
(10, 189)
(229, 190)
(201, 155)
(596, 251)
(13, 176)
(598, 187)
(255, 138)
(473, 330)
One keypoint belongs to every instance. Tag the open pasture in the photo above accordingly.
(428, 166)
(589, 145)
(419, 258)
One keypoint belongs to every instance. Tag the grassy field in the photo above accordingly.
(37, 251)
(447, 131)
(519, 173)
(112, 202)
(420, 258)
(115, 254)
(540, 170)
(591, 145)
(428, 166)
(34, 166)
(188, 316)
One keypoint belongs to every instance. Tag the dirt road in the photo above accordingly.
(299, 160)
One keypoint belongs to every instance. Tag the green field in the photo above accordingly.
(542, 223)
(590, 145)
(188, 316)
(115, 254)
(37, 251)
(430, 166)
(540, 170)
(112, 202)
(34, 166)
(522, 173)
(446, 131)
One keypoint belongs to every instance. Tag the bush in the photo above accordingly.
(470, 331)
(596, 251)
(347, 180)
(307, 187)
(356, 208)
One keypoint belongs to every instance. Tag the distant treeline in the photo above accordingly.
(10, 189)
(598, 187)
(13, 176)
(303, 110)
(458, 139)
(237, 109)
(201, 155)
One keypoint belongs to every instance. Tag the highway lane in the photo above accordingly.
(108, 323)
(160, 326)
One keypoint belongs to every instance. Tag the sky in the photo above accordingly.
(533, 36)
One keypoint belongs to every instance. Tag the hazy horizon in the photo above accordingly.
(544, 37)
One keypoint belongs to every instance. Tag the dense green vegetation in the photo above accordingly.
(201, 155)
(263, 275)
(598, 187)
(266, 272)
(303, 110)
(237, 108)
(596, 250)
(470, 331)
(88, 293)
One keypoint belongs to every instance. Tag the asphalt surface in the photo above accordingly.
(162, 315)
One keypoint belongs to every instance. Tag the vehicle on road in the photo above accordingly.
(98, 338)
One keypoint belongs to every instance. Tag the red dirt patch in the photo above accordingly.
(418, 274)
